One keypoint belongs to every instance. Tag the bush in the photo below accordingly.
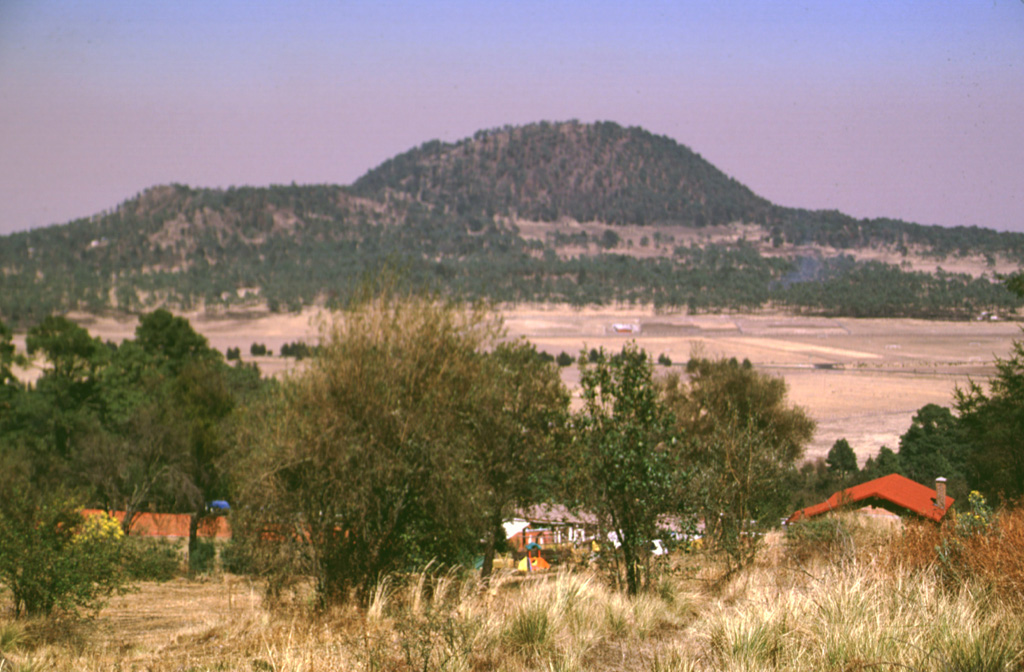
(235, 558)
(54, 559)
(203, 559)
(152, 559)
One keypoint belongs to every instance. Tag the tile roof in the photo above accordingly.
(886, 492)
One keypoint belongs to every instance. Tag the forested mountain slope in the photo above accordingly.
(596, 172)
(624, 215)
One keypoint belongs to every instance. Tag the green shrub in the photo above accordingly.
(202, 560)
(51, 557)
(236, 558)
(152, 559)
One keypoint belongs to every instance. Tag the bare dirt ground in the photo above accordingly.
(860, 379)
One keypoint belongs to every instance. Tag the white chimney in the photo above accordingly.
(940, 493)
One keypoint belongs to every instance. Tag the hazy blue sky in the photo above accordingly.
(908, 109)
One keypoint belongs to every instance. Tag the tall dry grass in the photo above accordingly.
(847, 606)
(981, 549)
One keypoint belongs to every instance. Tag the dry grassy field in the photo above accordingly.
(860, 379)
(857, 598)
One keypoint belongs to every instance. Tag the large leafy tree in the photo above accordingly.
(842, 461)
(519, 415)
(365, 462)
(66, 401)
(935, 445)
(172, 340)
(993, 423)
(195, 401)
(165, 398)
(744, 440)
(627, 447)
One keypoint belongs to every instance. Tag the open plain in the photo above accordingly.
(859, 379)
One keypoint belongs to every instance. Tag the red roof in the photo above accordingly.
(886, 492)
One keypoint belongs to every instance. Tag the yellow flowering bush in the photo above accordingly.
(100, 528)
(976, 519)
(52, 558)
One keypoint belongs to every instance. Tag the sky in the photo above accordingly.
(905, 109)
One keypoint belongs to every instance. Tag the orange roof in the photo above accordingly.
(886, 492)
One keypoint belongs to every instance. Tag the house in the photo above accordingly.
(547, 524)
(894, 493)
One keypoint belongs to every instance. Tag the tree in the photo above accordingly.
(67, 388)
(363, 463)
(626, 447)
(743, 442)
(934, 445)
(201, 402)
(1015, 283)
(841, 460)
(993, 423)
(68, 348)
(146, 463)
(9, 384)
(520, 411)
(8, 356)
(885, 463)
(172, 339)
(609, 239)
(167, 396)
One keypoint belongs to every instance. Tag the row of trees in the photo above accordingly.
(414, 433)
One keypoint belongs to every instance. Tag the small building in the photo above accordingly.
(547, 524)
(894, 493)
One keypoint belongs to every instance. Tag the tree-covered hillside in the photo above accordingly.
(587, 172)
(448, 217)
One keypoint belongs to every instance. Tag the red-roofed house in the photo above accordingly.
(893, 492)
